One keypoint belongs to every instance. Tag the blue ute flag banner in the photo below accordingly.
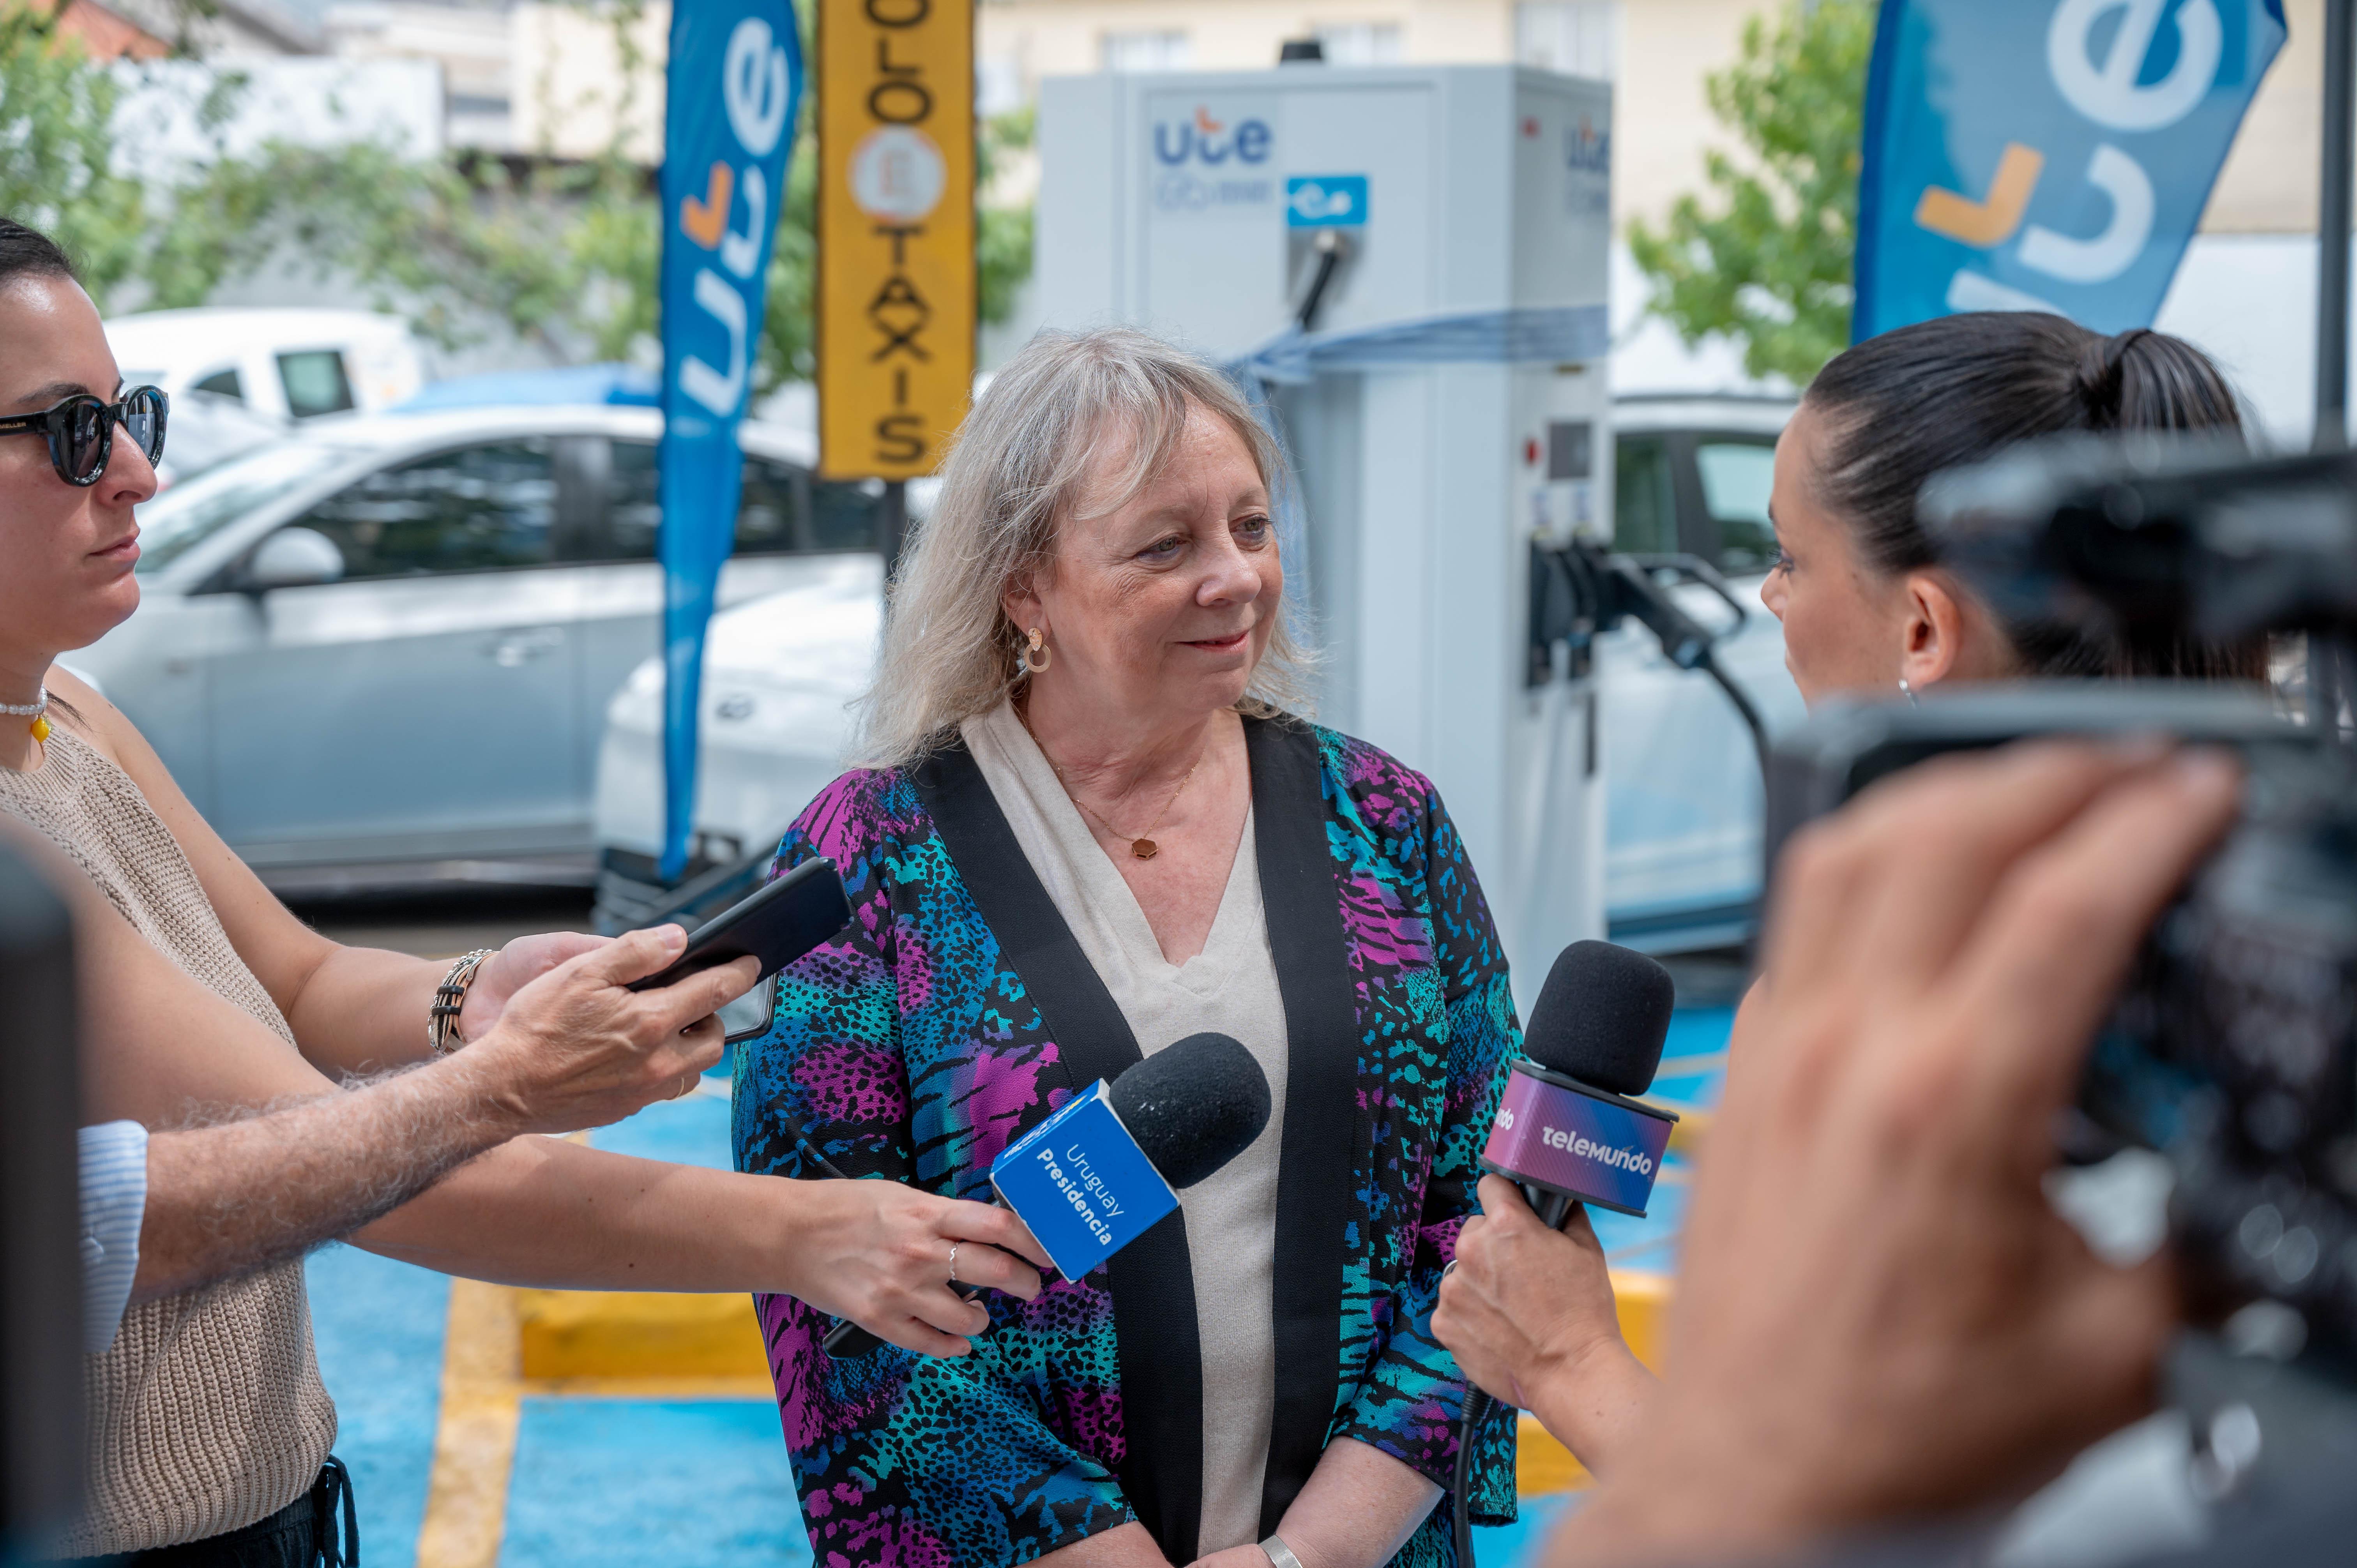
(2046, 154)
(1081, 1183)
(735, 87)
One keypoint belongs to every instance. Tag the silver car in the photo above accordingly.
(380, 651)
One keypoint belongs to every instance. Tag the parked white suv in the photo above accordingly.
(1684, 797)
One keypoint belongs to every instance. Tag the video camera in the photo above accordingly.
(2233, 1049)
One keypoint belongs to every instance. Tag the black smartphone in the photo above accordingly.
(777, 924)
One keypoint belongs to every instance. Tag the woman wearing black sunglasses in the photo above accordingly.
(79, 430)
(208, 1423)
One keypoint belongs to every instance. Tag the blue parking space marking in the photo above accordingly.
(1522, 1544)
(692, 1130)
(656, 1484)
(378, 1326)
(636, 1483)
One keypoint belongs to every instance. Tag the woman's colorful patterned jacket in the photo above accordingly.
(956, 1012)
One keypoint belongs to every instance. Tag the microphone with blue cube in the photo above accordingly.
(1108, 1165)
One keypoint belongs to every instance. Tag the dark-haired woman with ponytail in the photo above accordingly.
(1867, 607)
(1869, 610)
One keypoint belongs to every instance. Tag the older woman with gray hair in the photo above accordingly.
(1091, 823)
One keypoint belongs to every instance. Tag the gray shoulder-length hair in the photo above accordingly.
(1032, 453)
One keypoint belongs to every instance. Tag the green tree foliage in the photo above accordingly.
(1769, 265)
(56, 152)
(565, 256)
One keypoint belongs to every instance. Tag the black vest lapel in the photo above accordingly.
(1152, 1280)
(1321, 1134)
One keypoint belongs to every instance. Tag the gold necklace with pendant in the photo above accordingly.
(1141, 846)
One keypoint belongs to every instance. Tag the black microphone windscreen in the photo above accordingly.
(1602, 1016)
(1193, 1105)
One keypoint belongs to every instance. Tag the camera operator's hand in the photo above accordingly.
(574, 1049)
(1880, 1313)
(1530, 1315)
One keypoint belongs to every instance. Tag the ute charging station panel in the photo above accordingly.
(1415, 260)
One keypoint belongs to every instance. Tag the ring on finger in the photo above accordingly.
(953, 1247)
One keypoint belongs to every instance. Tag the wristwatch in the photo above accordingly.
(1280, 1554)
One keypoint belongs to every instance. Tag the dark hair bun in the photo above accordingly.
(1960, 389)
(2102, 373)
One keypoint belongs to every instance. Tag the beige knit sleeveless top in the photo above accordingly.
(207, 1413)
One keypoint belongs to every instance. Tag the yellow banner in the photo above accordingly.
(896, 276)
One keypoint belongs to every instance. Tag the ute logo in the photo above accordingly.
(1214, 160)
(1204, 140)
(1586, 149)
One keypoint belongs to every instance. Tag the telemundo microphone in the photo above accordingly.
(1108, 1165)
(1567, 1130)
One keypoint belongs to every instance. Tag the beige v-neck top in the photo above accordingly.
(207, 1413)
(1230, 987)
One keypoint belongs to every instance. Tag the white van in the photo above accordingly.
(280, 364)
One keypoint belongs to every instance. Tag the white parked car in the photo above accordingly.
(779, 675)
(1684, 795)
(380, 649)
(281, 364)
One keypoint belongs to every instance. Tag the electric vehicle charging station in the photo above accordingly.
(1415, 260)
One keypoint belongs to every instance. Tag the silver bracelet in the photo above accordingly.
(1280, 1554)
(442, 1017)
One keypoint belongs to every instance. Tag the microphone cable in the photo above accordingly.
(1476, 1411)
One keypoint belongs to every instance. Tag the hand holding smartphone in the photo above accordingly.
(776, 924)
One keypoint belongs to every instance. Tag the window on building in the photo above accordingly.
(1578, 38)
(998, 85)
(1360, 43)
(1146, 52)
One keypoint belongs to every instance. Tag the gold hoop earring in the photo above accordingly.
(1038, 656)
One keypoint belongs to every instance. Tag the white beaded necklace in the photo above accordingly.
(36, 710)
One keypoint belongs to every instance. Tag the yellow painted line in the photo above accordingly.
(1542, 1464)
(757, 1388)
(1691, 1132)
(1687, 1067)
(609, 1335)
(474, 1446)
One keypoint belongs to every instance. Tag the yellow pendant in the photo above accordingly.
(40, 728)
